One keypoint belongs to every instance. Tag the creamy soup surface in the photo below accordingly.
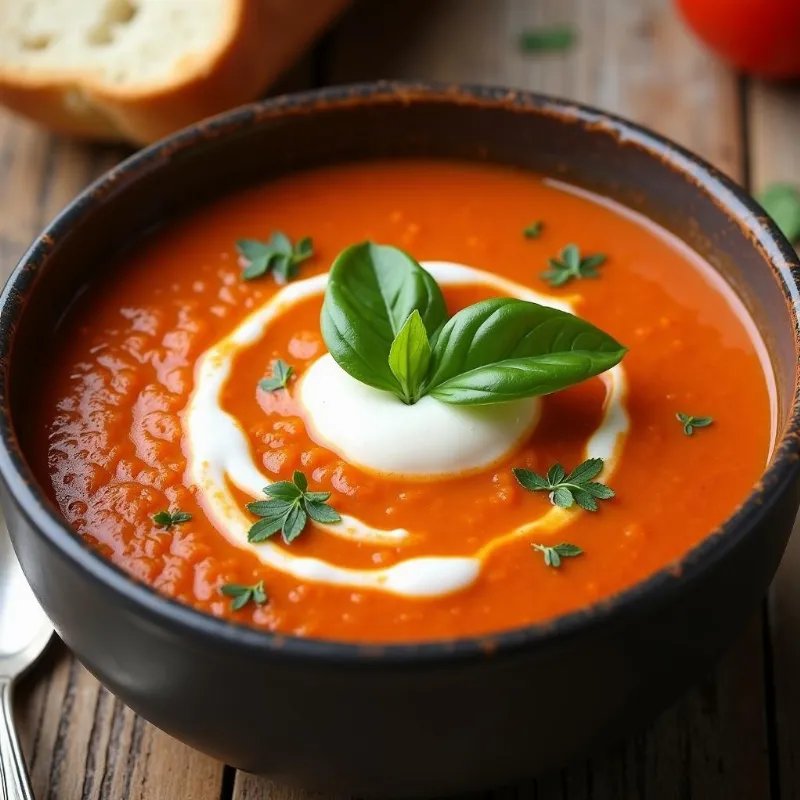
(153, 405)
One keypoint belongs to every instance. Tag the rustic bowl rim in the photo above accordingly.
(659, 587)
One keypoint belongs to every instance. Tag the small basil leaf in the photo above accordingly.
(409, 356)
(505, 328)
(505, 349)
(518, 378)
(372, 290)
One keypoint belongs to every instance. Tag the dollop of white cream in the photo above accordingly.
(378, 432)
(219, 453)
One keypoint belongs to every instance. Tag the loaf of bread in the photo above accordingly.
(140, 69)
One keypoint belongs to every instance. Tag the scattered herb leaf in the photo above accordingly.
(553, 555)
(278, 256)
(242, 595)
(546, 40)
(571, 265)
(690, 423)
(782, 202)
(288, 509)
(166, 519)
(566, 490)
(533, 230)
(280, 375)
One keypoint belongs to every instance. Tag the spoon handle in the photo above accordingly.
(15, 783)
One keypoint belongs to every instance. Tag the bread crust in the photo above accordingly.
(260, 41)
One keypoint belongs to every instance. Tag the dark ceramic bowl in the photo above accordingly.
(413, 719)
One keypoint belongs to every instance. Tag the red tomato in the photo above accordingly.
(757, 36)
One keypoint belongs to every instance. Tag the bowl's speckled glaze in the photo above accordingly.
(437, 717)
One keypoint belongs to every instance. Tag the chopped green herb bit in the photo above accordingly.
(571, 265)
(556, 38)
(533, 230)
(566, 490)
(281, 372)
(553, 555)
(690, 423)
(288, 509)
(242, 595)
(278, 256)
(782, 202)
(166, 519)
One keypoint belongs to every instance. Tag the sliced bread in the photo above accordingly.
(140, 69)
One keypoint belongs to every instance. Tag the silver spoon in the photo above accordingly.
(24, 634)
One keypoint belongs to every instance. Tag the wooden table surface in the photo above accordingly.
(737, 735)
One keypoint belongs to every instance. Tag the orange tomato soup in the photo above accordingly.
(110, 432)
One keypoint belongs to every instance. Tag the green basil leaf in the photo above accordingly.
(518, 378)
(782, 202)
(372, 290)
(505, 349)
(409, 356)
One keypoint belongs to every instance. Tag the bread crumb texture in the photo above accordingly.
(120, 42)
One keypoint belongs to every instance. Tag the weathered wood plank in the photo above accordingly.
(774, 117)
(633, 57)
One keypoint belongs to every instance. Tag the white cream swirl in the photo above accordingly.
(219, 452)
